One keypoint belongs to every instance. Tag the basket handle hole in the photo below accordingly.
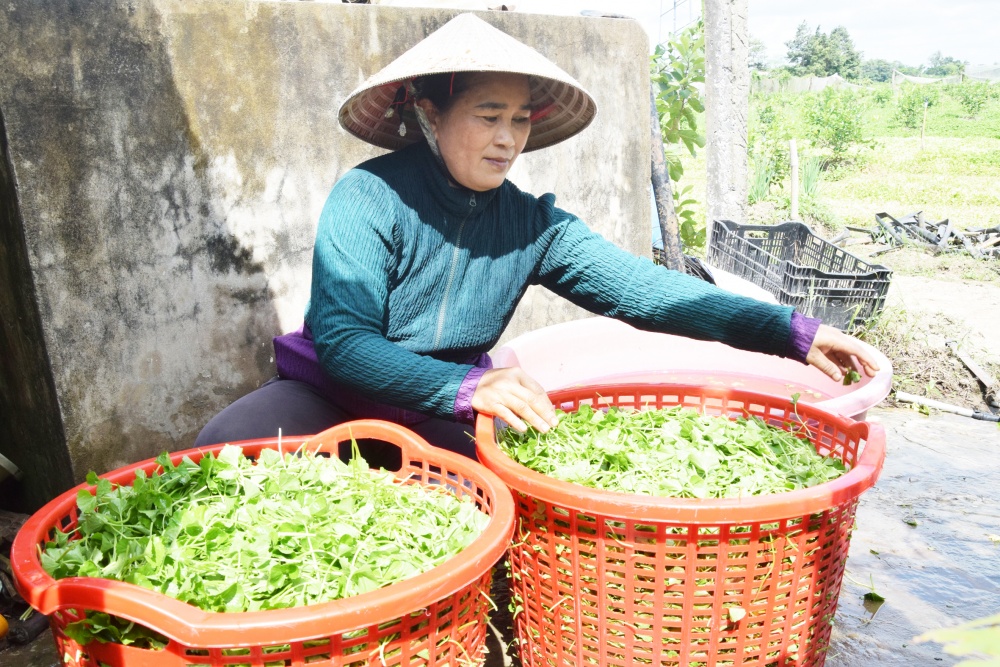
(378, 453)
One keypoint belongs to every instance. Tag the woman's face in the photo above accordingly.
(484, 130)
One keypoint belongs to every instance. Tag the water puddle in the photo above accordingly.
(921, 554)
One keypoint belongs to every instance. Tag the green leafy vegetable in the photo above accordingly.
(851, 377)
(675, 452)
(227, 534)
(872, 595)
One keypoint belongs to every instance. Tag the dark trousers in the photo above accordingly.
(298, 409)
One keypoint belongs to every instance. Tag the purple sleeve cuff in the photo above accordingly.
(803, 331)
(463, 400)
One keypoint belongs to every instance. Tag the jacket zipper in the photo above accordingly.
(451, 274)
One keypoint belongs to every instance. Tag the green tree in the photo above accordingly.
(972, 95)
(944, 66)
(877, 71)
(906, 69)
(801, 50)
(758, 54)
(881, 71)
(821, 54)
(842, 57)
(911, 102)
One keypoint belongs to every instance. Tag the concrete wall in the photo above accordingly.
(164, 166)
(727, 106)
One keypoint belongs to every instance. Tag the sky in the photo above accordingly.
(905, 30)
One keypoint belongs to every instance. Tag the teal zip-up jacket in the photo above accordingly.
(412, 276)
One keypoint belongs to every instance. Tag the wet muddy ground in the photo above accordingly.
(923, 541)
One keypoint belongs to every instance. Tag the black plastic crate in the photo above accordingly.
(802, 270)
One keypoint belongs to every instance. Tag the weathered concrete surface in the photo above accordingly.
(727, 94)
(165, 164)
(26, 386)
(923, 540)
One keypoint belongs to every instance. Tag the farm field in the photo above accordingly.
(952, 173)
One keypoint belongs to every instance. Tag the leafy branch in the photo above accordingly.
(674, 71)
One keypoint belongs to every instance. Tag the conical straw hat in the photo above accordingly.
(562, 107)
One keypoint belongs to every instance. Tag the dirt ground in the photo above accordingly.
(922, 316)
(974, 303)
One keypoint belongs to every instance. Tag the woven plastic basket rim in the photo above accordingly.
(194, 627)
(752, 509)
(729, 227)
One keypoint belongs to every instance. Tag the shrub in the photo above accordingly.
(882, 95)
(836, 121)
(675, 72)
(769, 132)
(910, 105)
(761, 177)
(973, 96)
(693, 234)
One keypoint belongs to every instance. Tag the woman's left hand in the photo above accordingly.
(836, 354)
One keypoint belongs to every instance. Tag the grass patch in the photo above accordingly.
(953, 266)
(946, 118)
(950, 178)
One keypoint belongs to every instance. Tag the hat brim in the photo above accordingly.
(561, 106)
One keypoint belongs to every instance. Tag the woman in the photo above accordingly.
(422, 255)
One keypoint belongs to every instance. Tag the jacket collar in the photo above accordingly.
(456, 200)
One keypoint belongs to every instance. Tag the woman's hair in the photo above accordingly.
(443, 89)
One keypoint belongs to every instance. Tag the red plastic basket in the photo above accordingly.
(436, 618)
(614, 579)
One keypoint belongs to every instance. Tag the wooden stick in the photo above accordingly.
(923, 127)
(794, 164)
(990, 384)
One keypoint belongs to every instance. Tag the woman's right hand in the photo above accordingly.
(513, 396)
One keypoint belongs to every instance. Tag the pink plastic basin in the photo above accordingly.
(599, 350)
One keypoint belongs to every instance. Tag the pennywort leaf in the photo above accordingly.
(673, 452)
